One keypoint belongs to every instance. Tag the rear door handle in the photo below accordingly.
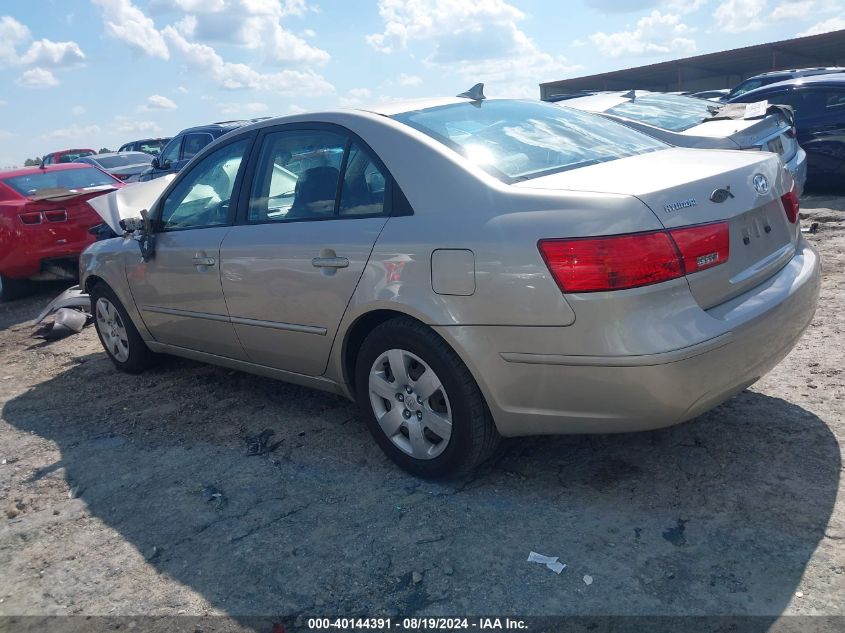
(204, 261)
(330, 262)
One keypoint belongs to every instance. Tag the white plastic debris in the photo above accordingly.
(551, 562)
(588, 580)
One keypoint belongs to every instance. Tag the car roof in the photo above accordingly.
(220, 126)
(110, 154)
(397, 107)
(27, 171)
(798, 72)
(832, 79)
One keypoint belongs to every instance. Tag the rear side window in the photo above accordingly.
(363, 185)
(194, 143)
(518, 140)
(297, 176)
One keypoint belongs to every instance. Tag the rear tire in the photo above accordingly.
(117, 333)
(11, 289)
(420, 402)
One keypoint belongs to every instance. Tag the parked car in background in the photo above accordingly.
(151, 146)
(712, 95)
(184, 146)
(690, 122)
(65, 156)
(764, 79)
(819, 105)
(126, 166)
(44, 222)
(465, 269)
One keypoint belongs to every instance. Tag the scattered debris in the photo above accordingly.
(15, 509)
(153, 554)
(799, 594)
(588, 580)
(73, 493)
(73, 297)
(259, 444)
(66, 321)
(416, 577)
(549, 561)
(212, 494)
(813, 228)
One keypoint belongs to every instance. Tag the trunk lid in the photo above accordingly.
(677, 184)
(771, 133)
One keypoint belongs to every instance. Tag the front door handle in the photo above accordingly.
(330, 262)
(204, 261)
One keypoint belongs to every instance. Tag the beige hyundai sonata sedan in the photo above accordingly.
(464, 269)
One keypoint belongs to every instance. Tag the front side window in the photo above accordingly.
(746, 86)
(170, 153)
(669, 112)
(202, 198)
(297, 176)
(193, 144)
(518, 140)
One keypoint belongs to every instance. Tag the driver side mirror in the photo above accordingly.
(142, 231)
(154, 163)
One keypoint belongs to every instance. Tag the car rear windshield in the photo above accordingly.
(518, 140)
(670, 112)
(130, 158)
(46, 182)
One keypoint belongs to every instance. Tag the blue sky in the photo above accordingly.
(97, 73)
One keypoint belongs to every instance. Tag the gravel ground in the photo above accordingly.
(128, 495)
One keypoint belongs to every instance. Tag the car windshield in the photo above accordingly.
(670, 112)
(49, 183)
(153, 147)
(517, 140)
(129, 158)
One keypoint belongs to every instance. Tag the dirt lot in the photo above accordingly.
(107, 508)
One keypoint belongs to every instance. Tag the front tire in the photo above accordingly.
(117, 333)
(420, 402)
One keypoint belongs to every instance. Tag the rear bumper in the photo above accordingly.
(798, 168)
(548, 393)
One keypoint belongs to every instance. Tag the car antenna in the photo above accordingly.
(631, 94)
(476, 93)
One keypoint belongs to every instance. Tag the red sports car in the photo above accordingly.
(44, 222)
(65, 156)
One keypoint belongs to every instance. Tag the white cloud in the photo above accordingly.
(683, 6)
(247, 110)
(408, 80)
(74, 132)
(655, 34)
(37, 78)
(77, 110)
(295, 109)
(182, 90)
(12, 35)
(130, 126)
(53, 54)
(736, 16)
(235, 76)
(355, 97)
(126, 22)
(478, 39)
(158, 102)
(254, 24)
(825, 26)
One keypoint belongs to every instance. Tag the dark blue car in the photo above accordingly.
(185, 145)
(819, 105)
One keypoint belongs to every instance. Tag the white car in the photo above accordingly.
(692, 122)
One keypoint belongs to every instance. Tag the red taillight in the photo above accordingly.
(703, 246)
(58, 215)
(790, 206)
(31, 217)
(617, 262)
(611, 263)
